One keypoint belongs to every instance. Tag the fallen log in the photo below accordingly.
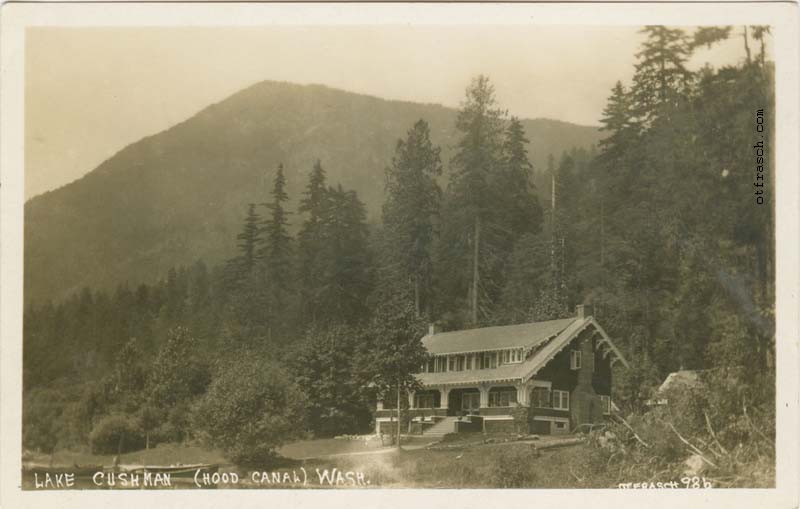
(692, 447)
(635, 435)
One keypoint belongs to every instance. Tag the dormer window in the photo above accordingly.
(575, 359)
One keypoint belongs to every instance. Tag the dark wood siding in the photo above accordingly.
(584, 385)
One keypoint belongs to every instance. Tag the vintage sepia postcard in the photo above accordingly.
(392, 253)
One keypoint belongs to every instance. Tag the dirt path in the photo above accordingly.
(384, 450)
(545, 443)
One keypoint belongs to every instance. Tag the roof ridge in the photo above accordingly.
(572, 318)
(495, 338)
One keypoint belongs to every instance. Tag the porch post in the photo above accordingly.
(484, 390)
(444, 391)
(410, 399)
(522, 394)
(380, 404)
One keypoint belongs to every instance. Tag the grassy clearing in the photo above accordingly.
(466, 461)
(478, 466)
(326, 446)
(162, 454)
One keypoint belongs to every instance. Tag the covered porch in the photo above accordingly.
(470, 399)
(494, 402)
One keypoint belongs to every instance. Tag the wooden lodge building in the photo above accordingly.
(476, 379)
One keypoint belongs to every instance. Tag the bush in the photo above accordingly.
(42, 421)
(251, 408)
(115, 434)
(176, 424)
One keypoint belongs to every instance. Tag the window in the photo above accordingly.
(560, 425)
(423, 401)
(561, 400)
(502, 398)
(468, 361)
(511, 356)
(575, 359)
(451, 363)
(605, 402)
(460, 363)
(540, 397)
(470, 401)
(441, 364)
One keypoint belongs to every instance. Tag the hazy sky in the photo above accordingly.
(92, 91)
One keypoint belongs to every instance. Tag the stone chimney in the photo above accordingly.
(583, 310)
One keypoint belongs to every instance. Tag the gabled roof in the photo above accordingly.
(545, 348)
(526, 335)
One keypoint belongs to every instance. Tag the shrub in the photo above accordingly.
(42, 419)
(115, 434)
(251, 408)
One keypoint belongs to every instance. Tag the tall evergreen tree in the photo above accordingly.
(619, 124)
(314, 205)
(708, 36)
(276, 259)
(344, 260)
(249, 244)
(410, 214)
(472, 197)
(333, 253)
(522, 210)
(661, 74)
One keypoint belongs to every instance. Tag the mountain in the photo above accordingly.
(181, 195)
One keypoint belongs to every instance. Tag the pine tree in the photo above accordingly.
(473, 195)
(522, 210)
(410, 214)
(250, 238)
(619, 124)
(310, 273)
(708, 36)
(249, 243)
(333, 254)
(343, 260)
(276, 258)
(661, 75)
(313, 203)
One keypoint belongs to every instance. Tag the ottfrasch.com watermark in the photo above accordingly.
(758, 148)
(692, 483)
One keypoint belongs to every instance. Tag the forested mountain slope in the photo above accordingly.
(180, 195)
